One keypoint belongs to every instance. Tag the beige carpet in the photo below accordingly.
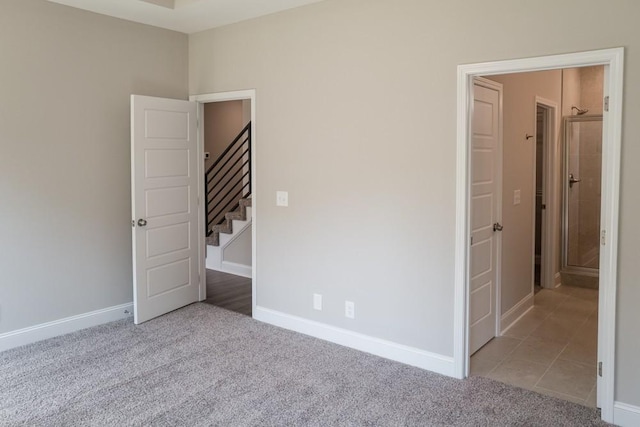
(203, 366)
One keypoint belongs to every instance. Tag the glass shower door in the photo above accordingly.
(582, 178)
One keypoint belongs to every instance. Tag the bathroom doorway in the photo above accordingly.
(547, 339)
(545, 206)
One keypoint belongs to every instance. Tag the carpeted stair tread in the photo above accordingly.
(227, 225)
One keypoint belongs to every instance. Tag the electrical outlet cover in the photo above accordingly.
(349, 309)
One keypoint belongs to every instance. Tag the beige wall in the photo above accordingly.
(518, 169)
(325, 77)
(222, 123)
(246, 111)
(591, 89)
(239, 250)
(583, 88)
(65, 209)
(571, 90)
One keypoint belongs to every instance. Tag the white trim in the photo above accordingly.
(202, 219)
(233, 96)
(461, 251)
(557, 280)
(625, 415)
(215, 254)
(237, 269)
(550, 224)
(379, 347)
(613, 60)
(534, 154)
(611, 147)
(239, 227)
(516, 312)
(67, 325)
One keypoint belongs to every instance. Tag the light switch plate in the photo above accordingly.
(516, 197)
(282, 198)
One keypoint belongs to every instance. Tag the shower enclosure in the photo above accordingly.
(582, 178)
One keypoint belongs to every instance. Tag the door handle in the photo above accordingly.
(572, 180)
(497, 227)
(142, 222)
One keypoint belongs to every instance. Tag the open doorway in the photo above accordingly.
(543, 137)
(519, 200)
(227, 137)
(547, 335)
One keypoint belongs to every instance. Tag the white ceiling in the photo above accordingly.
(186, 16)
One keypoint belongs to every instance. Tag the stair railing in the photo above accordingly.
(228, 179)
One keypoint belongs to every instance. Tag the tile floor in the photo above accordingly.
(551, 350)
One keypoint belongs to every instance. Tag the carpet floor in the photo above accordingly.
(203, 366)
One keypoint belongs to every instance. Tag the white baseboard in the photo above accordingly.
(213, 262)
(625, 415)
(508, 319)
(67, 325)
(237, 269)
(557, 280)
(383, 348)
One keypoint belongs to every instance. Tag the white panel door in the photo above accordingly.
(164, 187)
(486, 171)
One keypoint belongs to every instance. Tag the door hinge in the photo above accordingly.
(471, 240)
(603, 237)
(543, 207)
(606, 103)
(599, 369)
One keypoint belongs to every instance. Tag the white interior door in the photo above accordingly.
(164, 187)
(486, 171)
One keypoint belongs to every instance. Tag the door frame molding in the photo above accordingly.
(613, 60)
(206, 98)
(550, 224)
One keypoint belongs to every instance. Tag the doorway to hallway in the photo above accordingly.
(229, 291)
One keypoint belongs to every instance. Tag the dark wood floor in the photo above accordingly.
(229, 291)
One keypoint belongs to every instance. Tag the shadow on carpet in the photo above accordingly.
(202, 366)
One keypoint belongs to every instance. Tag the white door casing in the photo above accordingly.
(486, 190)
(248, 95)
(613, 60)
(164, 192)
(550, 223)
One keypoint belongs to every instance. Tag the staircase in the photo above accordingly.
(228, 208)
(225, 237)
(227, 183)
(240, 216)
